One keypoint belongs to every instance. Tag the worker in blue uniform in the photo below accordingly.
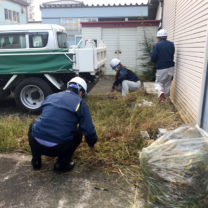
(125, 78)
(58, 132)
(163, 56)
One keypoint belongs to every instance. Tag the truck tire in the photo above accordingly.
(4, 93)
(30, 93)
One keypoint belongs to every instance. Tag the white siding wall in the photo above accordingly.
(187, 24)
(169, 17)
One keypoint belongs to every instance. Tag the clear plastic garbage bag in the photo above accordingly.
(175, 169)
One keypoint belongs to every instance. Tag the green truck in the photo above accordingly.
(35, 61)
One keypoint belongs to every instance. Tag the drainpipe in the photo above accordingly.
(161, 20)
(203, 100)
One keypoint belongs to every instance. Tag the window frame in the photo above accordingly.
(62, 33)
(37, 34)
(13, 34)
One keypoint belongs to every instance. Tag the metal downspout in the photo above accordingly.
(161, 20)
(204, 87)
(204, 98)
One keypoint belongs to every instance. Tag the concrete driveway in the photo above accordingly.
(22, 187)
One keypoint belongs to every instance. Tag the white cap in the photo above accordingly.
(162, 33)
(78, 80)
(114, 63)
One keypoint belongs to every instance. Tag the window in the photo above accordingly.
(78, 39)
(12, 16)
(12, 41)
(18, 18)
(62, 40)
(38, 39)
(74, 28)
(15, 16)
(6, 14)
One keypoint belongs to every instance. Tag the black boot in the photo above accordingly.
(36, 163)
(63, 167)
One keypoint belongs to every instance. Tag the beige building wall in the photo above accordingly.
(187, 25)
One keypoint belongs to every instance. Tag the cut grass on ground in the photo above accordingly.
(118, 122)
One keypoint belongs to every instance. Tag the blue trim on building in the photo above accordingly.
(140, 11)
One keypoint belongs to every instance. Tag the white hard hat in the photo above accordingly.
(114, 63)
(162, 33)
(80, 82)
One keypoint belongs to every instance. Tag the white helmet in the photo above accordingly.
(114, 63)
(79, 84)
(162, 33)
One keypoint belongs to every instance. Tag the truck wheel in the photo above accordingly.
(4, 93)
(30, 93)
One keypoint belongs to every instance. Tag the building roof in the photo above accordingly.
(21, 2)
(75, 4)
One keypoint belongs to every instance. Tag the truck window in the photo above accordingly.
(38, 39)
(12, 40)
(62, 40)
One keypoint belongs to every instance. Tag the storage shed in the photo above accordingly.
(187, 25)
(130, 41)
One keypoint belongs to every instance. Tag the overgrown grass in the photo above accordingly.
(118, 123)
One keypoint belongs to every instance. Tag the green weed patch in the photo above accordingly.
(118, 122)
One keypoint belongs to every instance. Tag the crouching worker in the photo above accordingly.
(124, 78)
(58, 131)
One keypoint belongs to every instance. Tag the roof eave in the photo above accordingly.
(88, 6)
(21, 2)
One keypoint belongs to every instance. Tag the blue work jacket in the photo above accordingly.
(61, 114)
(163, 54)
(124, 74)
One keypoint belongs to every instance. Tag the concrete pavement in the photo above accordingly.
(22, 187)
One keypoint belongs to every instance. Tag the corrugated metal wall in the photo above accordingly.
(186, 23)
(93, 33)
(127, 44)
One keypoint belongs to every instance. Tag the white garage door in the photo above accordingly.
(121, 43)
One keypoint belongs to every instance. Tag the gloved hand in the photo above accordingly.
(112, 90)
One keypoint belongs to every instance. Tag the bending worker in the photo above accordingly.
(56, 133)
(124, 77)
(163, 56)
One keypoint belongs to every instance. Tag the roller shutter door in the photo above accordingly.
(121, 44)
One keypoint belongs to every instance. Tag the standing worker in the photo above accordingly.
(124, 77)
(163, 56)
(57, 133)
